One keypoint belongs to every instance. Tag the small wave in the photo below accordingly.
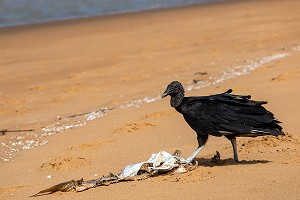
(237, 71)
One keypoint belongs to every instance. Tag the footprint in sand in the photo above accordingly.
(130, 78)
(267, 141)
(156, 115)
(75, 76)
(281, 77)
(38, 88)
(57, 99)
(92, 145)
(14, 106)
(12, 189)
(134, 127)
(287, 146)
(73, 88)
(64, 163)
(197, 175)
(286, 76)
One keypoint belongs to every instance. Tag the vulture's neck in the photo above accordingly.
(177, 99)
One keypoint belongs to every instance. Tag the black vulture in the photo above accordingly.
(223, 114)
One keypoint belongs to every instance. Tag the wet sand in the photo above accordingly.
(67, 68)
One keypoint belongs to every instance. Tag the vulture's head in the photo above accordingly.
(176, 91)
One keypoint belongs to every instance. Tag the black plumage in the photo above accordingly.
(223, 114)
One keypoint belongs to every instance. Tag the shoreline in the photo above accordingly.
(106, 16)
(70, 68)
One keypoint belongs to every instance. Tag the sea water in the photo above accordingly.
(21, 12)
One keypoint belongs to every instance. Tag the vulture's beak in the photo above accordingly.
(164, 94)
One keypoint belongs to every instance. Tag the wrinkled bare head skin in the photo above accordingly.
(176, 91)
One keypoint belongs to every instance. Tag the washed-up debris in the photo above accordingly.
(158, 164)
(4, 131)
(100, 111)
(216, 158)
(196, 80)
(201, 73)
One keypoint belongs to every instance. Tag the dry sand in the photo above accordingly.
(66, 68)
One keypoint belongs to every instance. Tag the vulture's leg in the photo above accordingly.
(233, 143)
(201, 141)
(192, 156)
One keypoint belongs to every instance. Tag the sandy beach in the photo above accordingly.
(90, 89)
